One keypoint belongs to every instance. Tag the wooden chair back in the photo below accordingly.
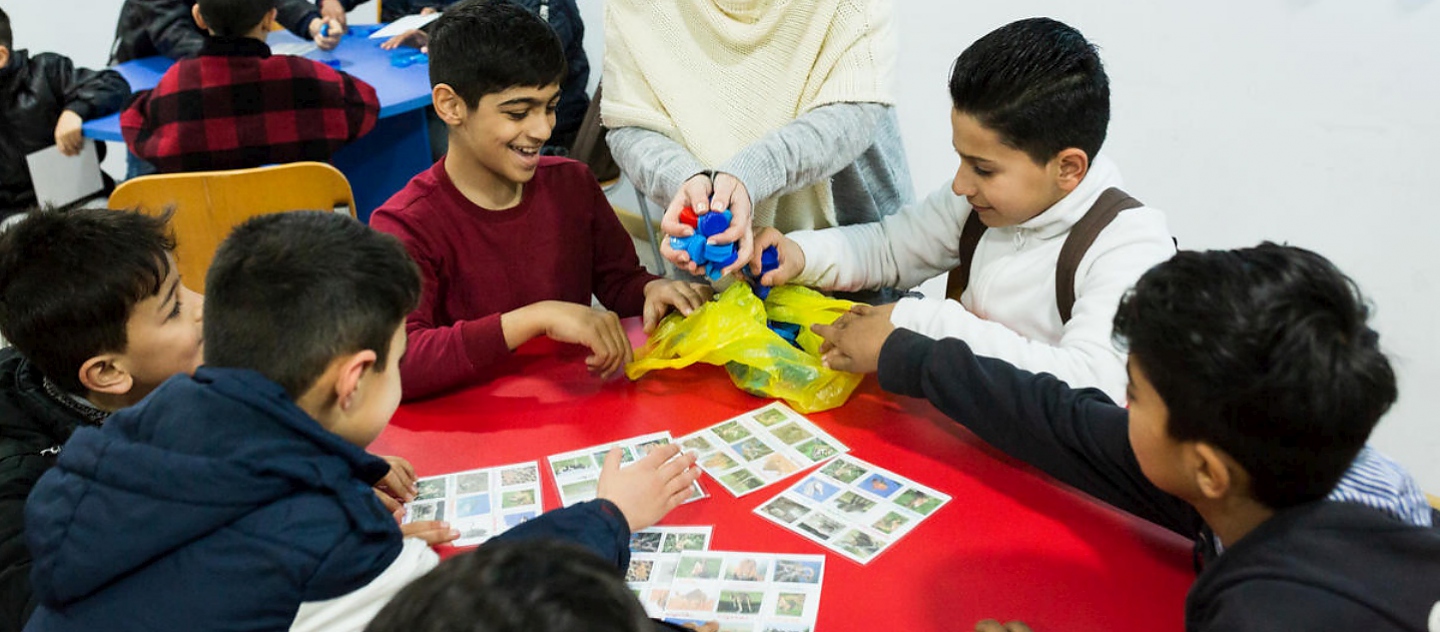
(209, 204)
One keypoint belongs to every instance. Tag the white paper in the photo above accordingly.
(298, 49)
(61, 179)
(746, 591)
(760, 448)
(853, 507)
(654, 556)
(481, 503)
(577, 473)
(404, 24)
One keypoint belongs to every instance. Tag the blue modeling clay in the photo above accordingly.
(714, 257)
(769, 260)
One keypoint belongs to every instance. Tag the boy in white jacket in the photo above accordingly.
(1031, 106)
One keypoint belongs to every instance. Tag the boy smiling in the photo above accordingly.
(511, 244)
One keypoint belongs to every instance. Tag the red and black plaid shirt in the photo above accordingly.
(237, 106)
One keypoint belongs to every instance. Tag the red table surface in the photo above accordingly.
(1011, 544)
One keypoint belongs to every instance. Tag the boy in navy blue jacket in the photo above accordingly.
(1254, 382)
(243, 494)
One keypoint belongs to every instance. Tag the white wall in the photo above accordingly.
(1305, 121)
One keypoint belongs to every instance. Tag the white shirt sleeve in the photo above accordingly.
(353, 611)
(903, 250)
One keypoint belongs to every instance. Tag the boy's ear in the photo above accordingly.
(1216, 475)
(102, 374)
(351, 372)
(448, 105)
(199, 21)
(4, 56)
(1071, 165)
(268, 23)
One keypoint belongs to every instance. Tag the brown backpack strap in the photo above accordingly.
(959, 278)
(1081, 236)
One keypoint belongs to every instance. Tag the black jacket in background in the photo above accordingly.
(1320, 566)
(33, 94)
(32, 427)
(166, 27)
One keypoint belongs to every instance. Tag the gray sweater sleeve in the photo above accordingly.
(813, 147)
(653, 162)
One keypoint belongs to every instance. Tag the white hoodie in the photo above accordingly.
(1008, 311)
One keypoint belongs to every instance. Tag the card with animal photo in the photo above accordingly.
(761, 447)
(577, 473)
(852, 507)
(752, 591)
(481, 503)
(654, 556)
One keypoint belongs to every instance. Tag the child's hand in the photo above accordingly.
(695, 193)
(331, 38)
(792, 257)
(335, 12)
(67, 133)
(853, 341)
(731, 194)
(712, 626)
(991, 625)
(433, 532)
(649, 488)
(413, 37)
(663, 294)
(599, 330)
(399, 483)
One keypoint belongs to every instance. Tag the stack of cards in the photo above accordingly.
(482, 503)
(654, 555)
(577, 473)
(753, 592)
(760, 447)
(853, 507)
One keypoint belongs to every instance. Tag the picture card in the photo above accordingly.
(654, 555)
(755, 592)
(761, 447)
(481, 503)
(577, 473)
(852, 507)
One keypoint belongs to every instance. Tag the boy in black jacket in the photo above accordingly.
(1254, 382)
(92, 302)
(43, 101)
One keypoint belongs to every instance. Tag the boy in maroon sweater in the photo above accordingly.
(511, 245)
(237, 106)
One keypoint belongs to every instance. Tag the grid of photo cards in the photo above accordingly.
(853, 508)
(654, 555)
(577, 473)
(482, 503)
(761, 447)
(749, 592)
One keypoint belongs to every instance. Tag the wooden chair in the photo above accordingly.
(209, 204)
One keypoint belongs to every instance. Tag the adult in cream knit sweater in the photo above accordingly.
(783, 112)
(1032, 103)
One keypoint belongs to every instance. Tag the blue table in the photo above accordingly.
(378, 164)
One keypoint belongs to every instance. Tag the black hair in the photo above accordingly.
(287, 293)
(481, 47)
(508, 586)
(233, 18)
(7, 38)
(69, 281)
(1264, 353)
(1038, 84)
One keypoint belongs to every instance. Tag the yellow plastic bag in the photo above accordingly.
(731, 331)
